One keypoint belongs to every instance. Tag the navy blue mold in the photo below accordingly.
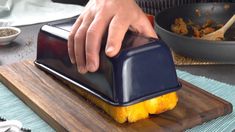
(143, 69)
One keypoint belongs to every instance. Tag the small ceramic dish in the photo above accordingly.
(8, 34)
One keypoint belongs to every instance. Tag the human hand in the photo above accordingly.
(98, 17)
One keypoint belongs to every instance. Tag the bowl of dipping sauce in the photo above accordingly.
(8, 34)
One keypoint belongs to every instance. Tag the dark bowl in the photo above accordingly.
(220, 51)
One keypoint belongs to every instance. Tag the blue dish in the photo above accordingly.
(143, 69)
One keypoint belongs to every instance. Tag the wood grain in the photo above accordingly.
(66, 110)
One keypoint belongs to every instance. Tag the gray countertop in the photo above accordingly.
(24, 47)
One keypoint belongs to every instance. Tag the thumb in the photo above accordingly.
(145, 26)
(116, 33)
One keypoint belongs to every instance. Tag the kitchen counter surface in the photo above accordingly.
(24, 47)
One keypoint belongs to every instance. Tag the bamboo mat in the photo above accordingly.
(180, 60)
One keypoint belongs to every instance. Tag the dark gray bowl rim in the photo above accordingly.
(207, 42)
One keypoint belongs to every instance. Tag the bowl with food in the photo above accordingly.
(8, 34)
(184, 29)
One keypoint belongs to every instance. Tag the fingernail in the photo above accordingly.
(110, 49)
(82, 70)
(92, 67)
(72, 60)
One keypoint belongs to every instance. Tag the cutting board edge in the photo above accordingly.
(223, 101)
(31, 104)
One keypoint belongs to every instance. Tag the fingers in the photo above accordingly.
(84, 41)
(71, 39)
(84, 45)
(93, 41)
(117, 30)
(79, 43)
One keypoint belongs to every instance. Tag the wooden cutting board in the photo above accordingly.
(65, 110)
